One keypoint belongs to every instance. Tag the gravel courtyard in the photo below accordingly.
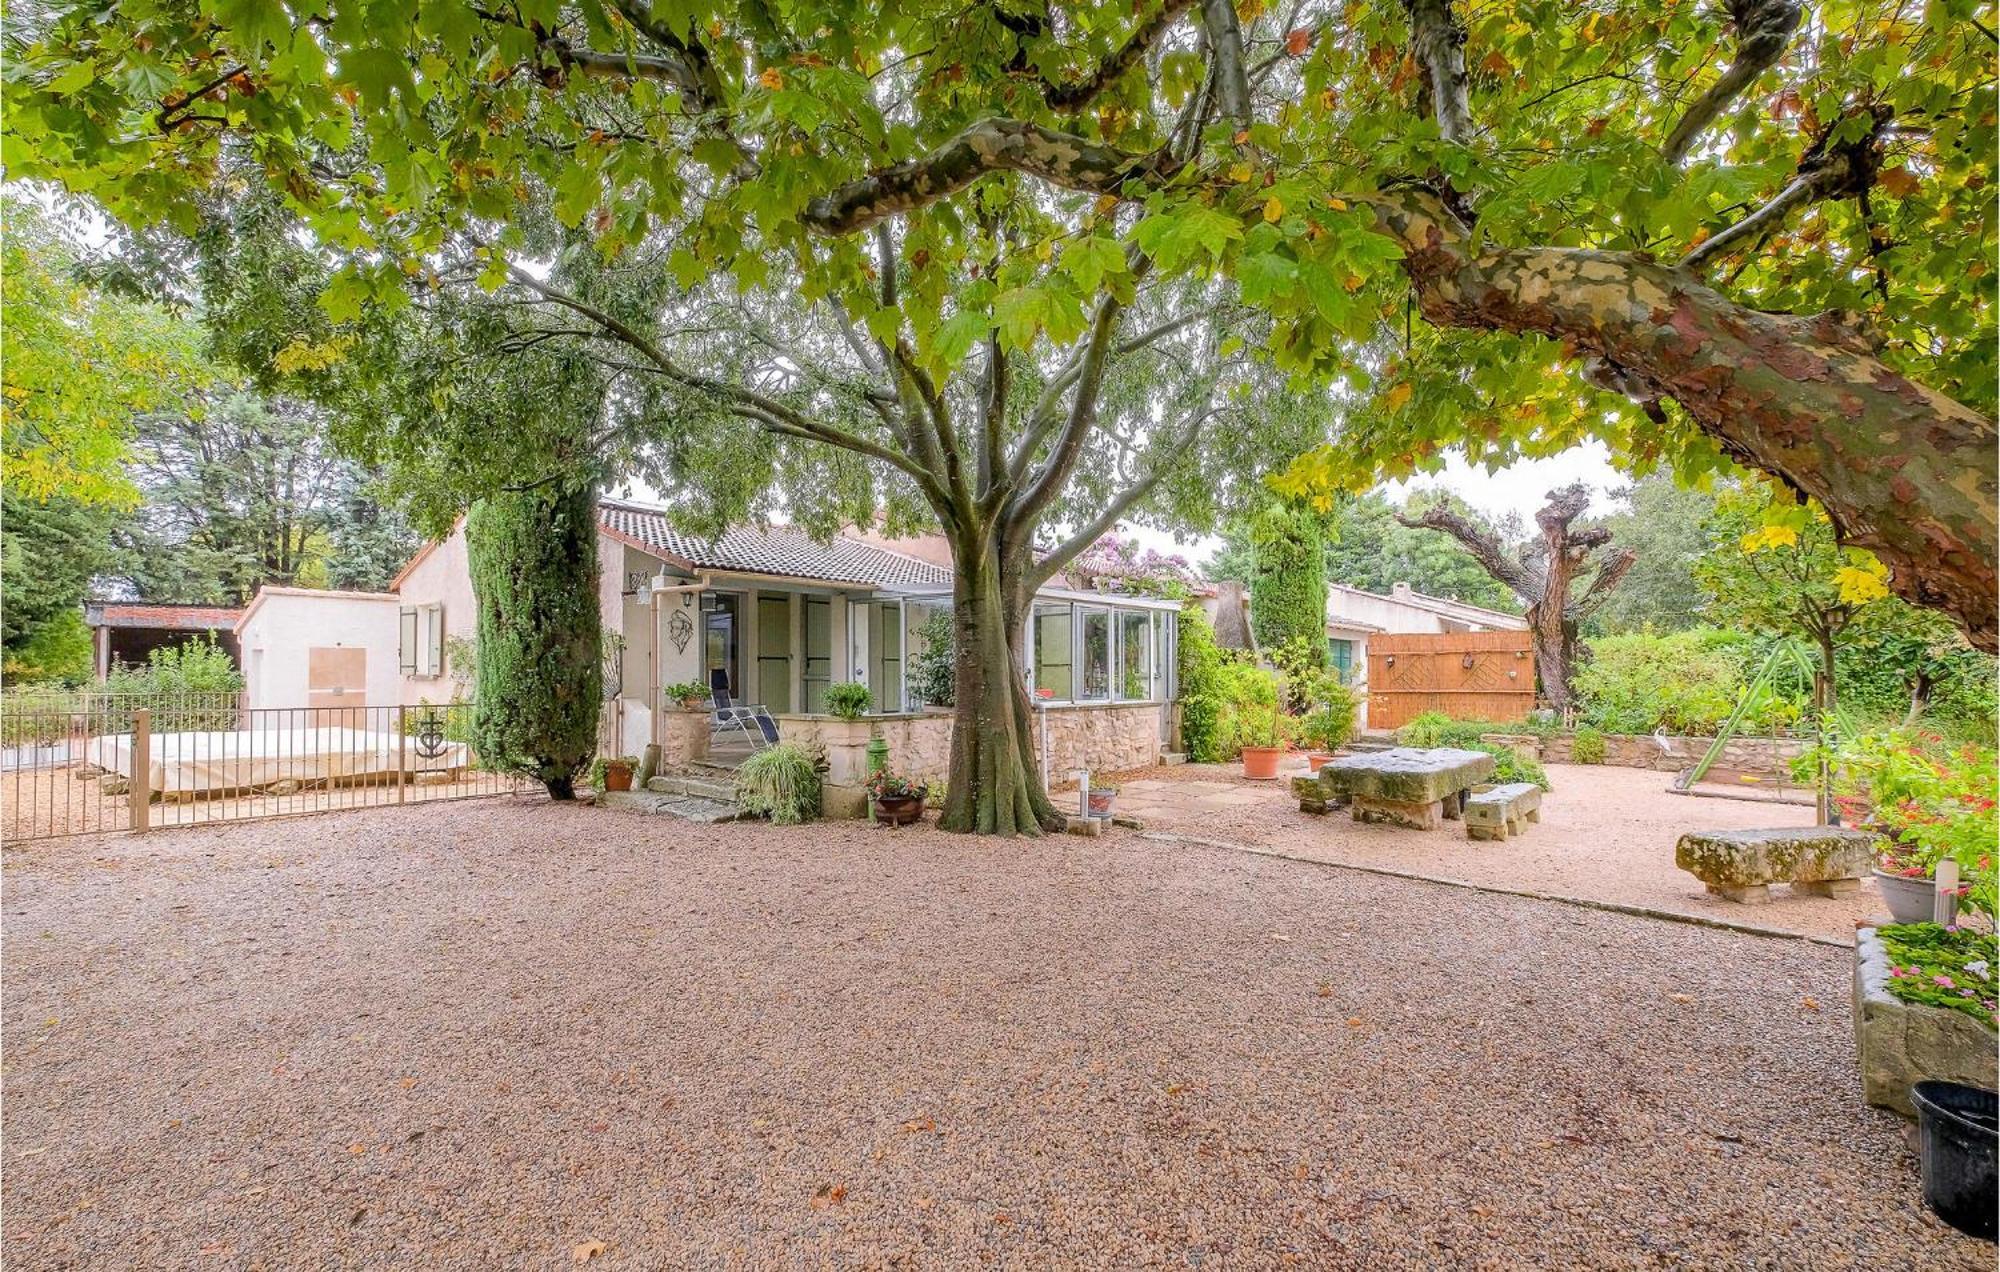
(1606, 834)
(511, 1034)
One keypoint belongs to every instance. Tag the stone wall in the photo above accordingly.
(1103, 738)
(1750, 755)
(683, 736)
(919, 745)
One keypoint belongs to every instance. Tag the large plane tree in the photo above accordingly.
(1703, 234)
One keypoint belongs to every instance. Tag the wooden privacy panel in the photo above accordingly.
(1466, 675)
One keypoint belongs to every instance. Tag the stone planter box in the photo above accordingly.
(683, 735)
(1901, 1044)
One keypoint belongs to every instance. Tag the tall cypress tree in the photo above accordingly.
(1288, 583)
(534, 571)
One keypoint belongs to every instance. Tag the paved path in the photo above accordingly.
(1606, 834)
(495, 1035)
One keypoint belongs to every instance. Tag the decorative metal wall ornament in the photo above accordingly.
(681, 628)
(431, 744)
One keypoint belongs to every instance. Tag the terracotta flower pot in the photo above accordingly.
(617, 777)
(899, 810)
(1261, 762)
(1318, 758)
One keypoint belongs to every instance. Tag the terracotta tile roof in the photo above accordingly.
(181, 618)
(780, 550)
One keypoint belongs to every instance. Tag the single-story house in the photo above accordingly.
(768, 612)
(1353, 614)
(129, 631)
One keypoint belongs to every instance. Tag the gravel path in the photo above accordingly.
(502, 1033)
(1606, 833)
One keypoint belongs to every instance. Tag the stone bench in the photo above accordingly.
(1406, 786)
(1495, 812)
(1740, 865)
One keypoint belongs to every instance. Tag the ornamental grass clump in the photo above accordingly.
(780, 782)
(1939, 966)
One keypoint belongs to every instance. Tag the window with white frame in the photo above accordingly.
(422, 645)
(1096, 655)
(1055, 656)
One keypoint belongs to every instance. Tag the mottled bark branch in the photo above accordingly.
(1763, 30)
(992, 145)
(1903, 470)
(1438, 42)
(1072, 96)
(1027, 504)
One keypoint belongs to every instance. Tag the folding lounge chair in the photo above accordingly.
(753, 723)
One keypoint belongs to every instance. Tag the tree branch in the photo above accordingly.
(1610, 571)
(1438, 41)
(1486, 548)
(1066, 551)
(734, 396)
(1763, 29)
(1028, 503)
(992, 145)
(1068, 98)
(1225, 42)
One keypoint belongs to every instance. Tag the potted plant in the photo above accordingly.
(848, 700)
(1905, 879)
(688, 695)
(1101, 799)
(613, 773)
(1262, 732)
(898, 800)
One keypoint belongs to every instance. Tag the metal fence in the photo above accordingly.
(101, 764)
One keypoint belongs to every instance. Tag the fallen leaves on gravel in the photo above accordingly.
(586, 1251)
(828, 1196)
(917, 1124)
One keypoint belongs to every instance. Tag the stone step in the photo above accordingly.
(723, 791)
(660, 804)
(1365, 746)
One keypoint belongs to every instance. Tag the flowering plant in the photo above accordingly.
(1931, 802)
(887, 783)
(1943, 967)
(1118, 564)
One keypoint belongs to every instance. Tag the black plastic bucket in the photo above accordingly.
(1959, 1127)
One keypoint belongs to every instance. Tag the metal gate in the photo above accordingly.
(1465, 675)
(85, 763)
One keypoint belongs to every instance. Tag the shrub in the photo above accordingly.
(58, 650)
(1434, 728)
(1510, 765)
(1684, 682)
(1331, 722)
(781, 782)
(849, 700)
(1935, 802)
(933, 669)
(1260, 724)
(1246, 690)
(1201, 661)
(1587, 746)
(533, 557)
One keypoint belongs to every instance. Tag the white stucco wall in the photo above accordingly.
(282, 626)
(440, 576)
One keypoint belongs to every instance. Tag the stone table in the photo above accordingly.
(1406, 786)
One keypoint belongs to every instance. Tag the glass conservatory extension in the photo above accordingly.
(1089, 647)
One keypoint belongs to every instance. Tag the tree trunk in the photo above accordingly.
(1545, 625)
(995, 785)
(1904, 471)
